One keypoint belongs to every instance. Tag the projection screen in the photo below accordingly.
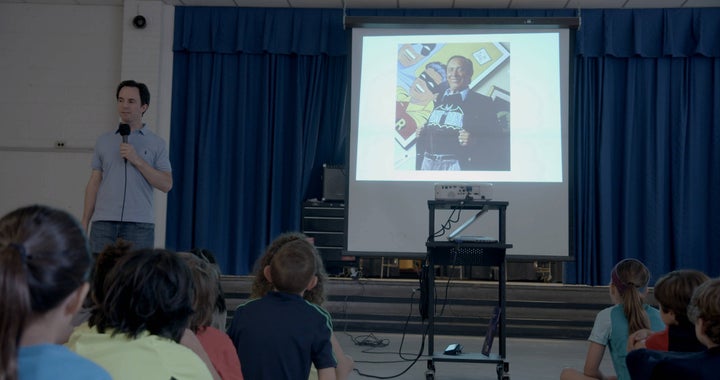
(522, 73)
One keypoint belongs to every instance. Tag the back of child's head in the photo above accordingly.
(293, 267)
(44, 258)
(261, 285)
(705, 304)
(205, 280)
(207, 255)
(149, 290)
(674, 290)
(630, 278)
(104, 263)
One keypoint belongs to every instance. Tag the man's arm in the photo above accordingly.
(158, 179)
(91, 191)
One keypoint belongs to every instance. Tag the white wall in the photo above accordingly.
(59, 68)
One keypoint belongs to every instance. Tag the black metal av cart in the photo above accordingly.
(467, 253)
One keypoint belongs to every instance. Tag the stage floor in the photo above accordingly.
(537, 359)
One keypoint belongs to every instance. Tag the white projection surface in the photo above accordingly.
(524, 70)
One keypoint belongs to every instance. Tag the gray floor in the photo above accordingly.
(536, 359)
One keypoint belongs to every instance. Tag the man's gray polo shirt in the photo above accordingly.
(138, 194)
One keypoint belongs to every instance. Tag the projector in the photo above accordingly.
(463, 191)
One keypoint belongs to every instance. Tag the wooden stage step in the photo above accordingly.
(537, 310)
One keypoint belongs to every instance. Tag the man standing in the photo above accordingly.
(125, 169)
(463, 132)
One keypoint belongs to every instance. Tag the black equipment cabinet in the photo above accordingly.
(467, 254)
(325, 223)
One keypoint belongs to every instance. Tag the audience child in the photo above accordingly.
(216, 343)
(279, 335)
(704, 312)
(104, 262)
(316, 295)
(613, 325)
(672, 292)
(220, 314)
(44, 267)
(145, 308)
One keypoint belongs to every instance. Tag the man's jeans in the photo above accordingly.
(104, 233)
(440, 162)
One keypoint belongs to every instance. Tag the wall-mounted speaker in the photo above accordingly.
(139, 22)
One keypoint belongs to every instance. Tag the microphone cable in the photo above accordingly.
(122, 208)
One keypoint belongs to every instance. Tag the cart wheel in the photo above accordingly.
(502, 371)
(430, 366)
(429, 375)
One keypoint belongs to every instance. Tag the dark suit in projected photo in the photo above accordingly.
(463, 132)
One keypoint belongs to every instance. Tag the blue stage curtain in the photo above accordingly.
(258, 101)
(646, 142)
(258, 98)
(258, 107)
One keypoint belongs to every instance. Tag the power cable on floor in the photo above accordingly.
(413, 360)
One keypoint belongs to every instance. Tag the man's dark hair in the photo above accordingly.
(142, 88)
(149, 290)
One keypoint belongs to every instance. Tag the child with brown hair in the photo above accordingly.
(276, 335)
(673, 292)
(316, 295)
(704, 312)
(613, 325)
(145, 307)
(215, 343)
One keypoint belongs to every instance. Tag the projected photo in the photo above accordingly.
(458, 106)
(448, 116)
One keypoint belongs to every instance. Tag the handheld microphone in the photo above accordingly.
(124, 130)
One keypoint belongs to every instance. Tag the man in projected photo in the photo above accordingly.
(463, 132)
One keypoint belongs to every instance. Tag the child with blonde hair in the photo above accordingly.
(613, 325)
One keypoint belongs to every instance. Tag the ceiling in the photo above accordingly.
(350, 4)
